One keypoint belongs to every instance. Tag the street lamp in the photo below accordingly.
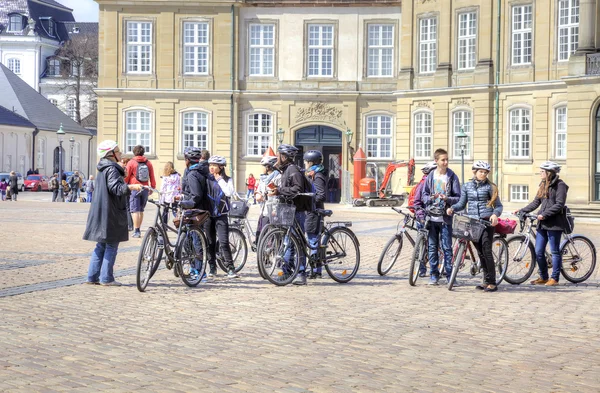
(349, 135)
(60, 135)
(462, 141)
(280, 134)
(72, 141)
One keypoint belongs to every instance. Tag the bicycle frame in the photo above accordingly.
(163, 230)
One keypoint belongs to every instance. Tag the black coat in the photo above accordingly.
(107, 219)
(319, 182)
(292, 184)
(194, 186)
(552, 208)
(13, 184)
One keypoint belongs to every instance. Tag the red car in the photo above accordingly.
(36, 183)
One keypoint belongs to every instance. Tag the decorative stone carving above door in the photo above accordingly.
(320, 111)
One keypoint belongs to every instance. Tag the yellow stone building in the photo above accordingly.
(519, 77)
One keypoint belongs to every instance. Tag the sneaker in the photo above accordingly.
(480, 288)
(232, 274)
(204, 278)
(422, 274)
(434, 280)
(213, 272)
(111, 284)
(490, 288)
(300, 279)
(538, 281)
(136, 234)
(315, 275)
(552, 283)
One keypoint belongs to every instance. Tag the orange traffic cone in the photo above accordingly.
(269, 153)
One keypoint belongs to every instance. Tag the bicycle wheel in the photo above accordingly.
(261, 246)
(418, 258)
(579, 259)
(521, 262)
(192, 257)
(342, 255)
(239, 250)
(457, 262)
(500, 252)
(390, 254)
(280, 260)
(148, 259)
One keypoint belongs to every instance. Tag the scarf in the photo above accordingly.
(314, 169)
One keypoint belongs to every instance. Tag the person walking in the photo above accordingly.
(3, 187)
(13, 185)
(30, 172)
(107, 223)
(552, 221)
(75, 184)
(54, 186)
(170, 188)
(89, 189)
(65, 186)
(332, 187)
(251, 184)
(313, 162)
(139, 171)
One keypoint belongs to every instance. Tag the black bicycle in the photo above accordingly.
(393, 248)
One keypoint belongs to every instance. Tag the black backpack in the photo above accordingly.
(142, 173)
(217, 201)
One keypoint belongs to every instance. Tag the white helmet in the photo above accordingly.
(218, 160)
(268, 160)
(106, 147)
(430, 166)
(481, 165)
(550, 166)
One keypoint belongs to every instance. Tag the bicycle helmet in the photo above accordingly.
(550, 166)
(430, 166)
(218, 160)
(268, 161)
(481, 165)
(106, 147)
(193, 154)
(288, 150)
(314, 156)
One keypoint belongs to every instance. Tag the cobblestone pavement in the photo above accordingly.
(374, 334)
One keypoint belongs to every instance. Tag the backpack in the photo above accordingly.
(413, 194)
(142, 173)
(53, 184)
(218, 203)
(570, 220)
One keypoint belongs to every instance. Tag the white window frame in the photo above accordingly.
(522, 34)
(560, 132)
(568, 30)
(14, 19)
(467, 40)
(139, 47)
(200, 45)
(72, 108)
(383, 127)
(419, 137)
(264, 138)
(51, 27)
(196, 133)
(261, 49)
(53, 101)
(138, 131)
(14, 64)
(519, 193)
(520, 133)
(75, 69)
(76, 155)
(53, 67)
(321, 51)
(462, 117)
(41, 153)
(427, 45)
(380, 54)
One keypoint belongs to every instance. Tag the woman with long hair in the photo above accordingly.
(170, 188)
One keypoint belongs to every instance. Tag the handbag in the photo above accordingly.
(569, 219)
(193, 217)
(505, 226)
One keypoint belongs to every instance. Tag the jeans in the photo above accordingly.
(102, 263)
(332, 196)
(249, 194)
(484, 250)
(291, 251)
(313, 242)
(439, 230)
(89, 197)
(55, 194)
(544, 237)
(218, 227)
(3, 192)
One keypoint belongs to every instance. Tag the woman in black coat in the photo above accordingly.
(107, 218)
(13, 185)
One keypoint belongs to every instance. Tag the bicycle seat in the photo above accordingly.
(194, 212)
(324, 213)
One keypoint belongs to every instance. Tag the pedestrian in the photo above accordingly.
(139, 171)
(13, 185)
(269, 181)
(3, 187)
(416, 205)
(66, 188)
(29, 172)
(89, 189)
(106, 223)
(480, 197)
(313, 162)
(74, 185)
(552, 221)
(441, 190)
(170, 188)
(251, 184)
(36, 172)
(54, 186)
(123, 164)
(332, 187)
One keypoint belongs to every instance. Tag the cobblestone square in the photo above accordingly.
(373, 334)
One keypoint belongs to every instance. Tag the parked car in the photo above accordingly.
(20, 181)
(36, 183)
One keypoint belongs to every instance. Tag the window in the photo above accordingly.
(461, 119)
(76, 155)
(568, 28)
(262, 49)
(50, 27)
(423, 135)
(54, 67)
(320, 50)
(381, 50)
(428, 45)
(260, 131)
(195, 130)
(41, 151)
(522, 23)
(561, 133)
(519, 193)
(379, 137)
(16, 23)
(53, 101)
(75, 69)
(195, 47)
(467, 34)
(93, 106)
(139, 47)
(137, 130)
(520, 127)
(15, 66)
(72, 109)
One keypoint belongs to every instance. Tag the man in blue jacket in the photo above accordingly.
(441, 190)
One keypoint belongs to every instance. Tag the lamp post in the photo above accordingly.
(349, 135)
(60, 135)
(72, 142)
(462, 141)
(280, 134)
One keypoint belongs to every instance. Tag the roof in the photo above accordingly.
(85, 28)
(33, 106)
(90, 121)
(37, 10)
(10, 118)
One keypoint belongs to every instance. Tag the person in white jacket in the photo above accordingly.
(269, 180)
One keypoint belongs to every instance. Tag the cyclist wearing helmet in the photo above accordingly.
(552, 220)
(313, 160)
(414, 199)
(480, 197)
(271, 179)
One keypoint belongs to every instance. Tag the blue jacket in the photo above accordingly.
(452, 192)
(475, 197)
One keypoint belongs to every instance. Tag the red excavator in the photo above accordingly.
(371, 196)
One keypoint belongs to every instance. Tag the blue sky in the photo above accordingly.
(83, 10)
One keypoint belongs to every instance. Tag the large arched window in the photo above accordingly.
(379, 136)
(423, 135)
(138, 130)
(461, 119)
(519, 131)
(195, 130)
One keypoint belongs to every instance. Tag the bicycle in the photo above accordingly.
(393, 248)
(468, 230)
(188, 255)
(578, 252)
(285, 243)
(420, 256)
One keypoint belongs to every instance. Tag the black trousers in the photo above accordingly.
(54, 195)
(218, 227)
(484, 249)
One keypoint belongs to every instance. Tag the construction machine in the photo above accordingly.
(372, 196)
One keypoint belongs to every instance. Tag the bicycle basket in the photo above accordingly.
(239, 209)
(467, 228)
(281, 214)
